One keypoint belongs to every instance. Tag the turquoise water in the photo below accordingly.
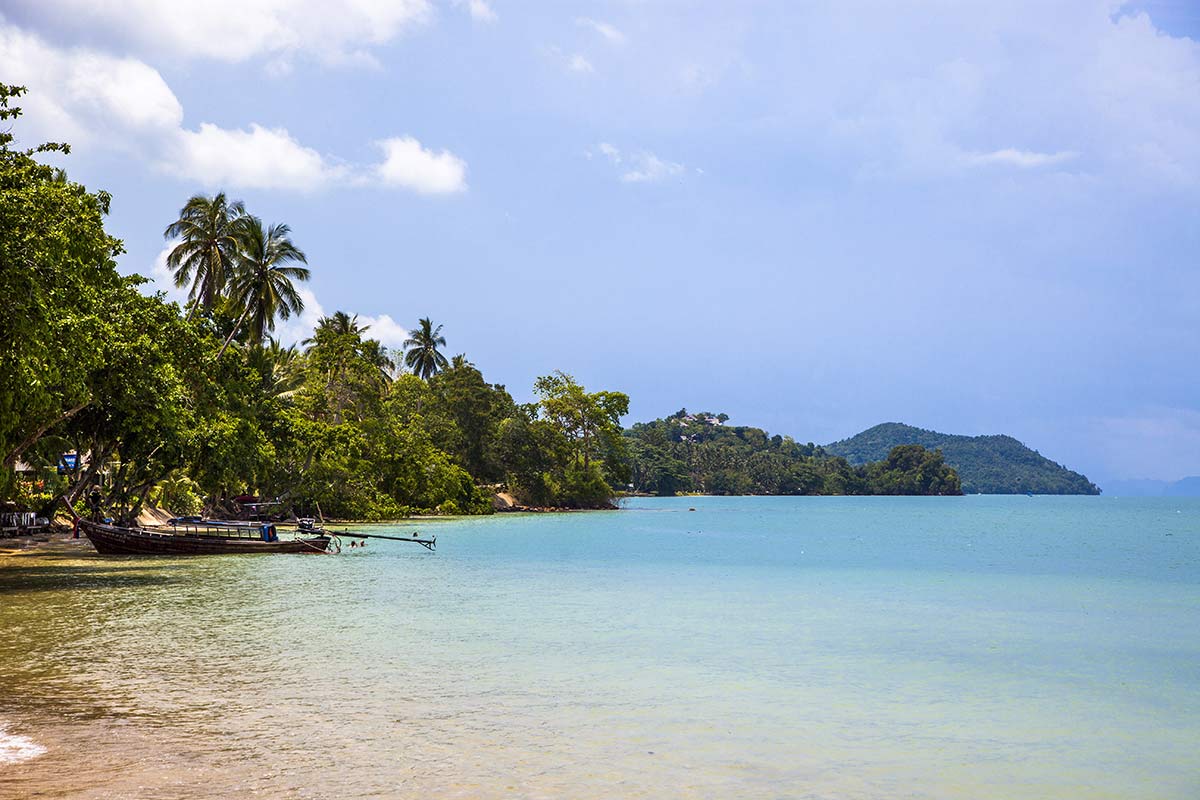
(977, 647)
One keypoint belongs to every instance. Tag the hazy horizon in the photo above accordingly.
(973, 219)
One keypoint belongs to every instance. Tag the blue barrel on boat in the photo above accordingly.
(268, 533)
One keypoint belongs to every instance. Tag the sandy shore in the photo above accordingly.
(55, 541)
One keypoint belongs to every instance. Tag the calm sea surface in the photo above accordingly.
(977, 647)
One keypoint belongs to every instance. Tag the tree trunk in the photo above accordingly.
(29, 441)
(233, 333)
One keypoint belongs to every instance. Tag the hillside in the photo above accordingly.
(986, 464)
(700, 453)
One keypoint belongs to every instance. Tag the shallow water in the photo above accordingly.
(978, 647)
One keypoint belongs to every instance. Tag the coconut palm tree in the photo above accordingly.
(422, 355)
(262, 279)
(380, 358)
(338, 324)
(283, 368)
(208, 250)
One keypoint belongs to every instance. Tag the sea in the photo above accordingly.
(699, 647)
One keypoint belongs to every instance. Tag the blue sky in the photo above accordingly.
(973, 217)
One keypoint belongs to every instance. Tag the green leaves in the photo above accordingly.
(423, 356)
(57, 280)
(588, 427)
(699, 453)
(208, 249)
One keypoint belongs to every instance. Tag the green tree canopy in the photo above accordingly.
(57, 283)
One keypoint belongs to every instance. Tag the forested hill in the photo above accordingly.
(987, 464)
(700, 453)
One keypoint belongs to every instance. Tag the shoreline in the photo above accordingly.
(60, 538)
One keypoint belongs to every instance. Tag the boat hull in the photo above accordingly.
(113, 540)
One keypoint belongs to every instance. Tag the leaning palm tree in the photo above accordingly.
(208, 249)
(262, 277)
(422, 355)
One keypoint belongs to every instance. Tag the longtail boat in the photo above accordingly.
(201, 539)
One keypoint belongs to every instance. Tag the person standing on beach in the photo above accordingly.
(94, 501)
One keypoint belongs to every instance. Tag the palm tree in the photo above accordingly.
(378, 357)
(339, 324)
(262, 278)
(283, 368)
(335, 340)
(208, 248)
(422, 355)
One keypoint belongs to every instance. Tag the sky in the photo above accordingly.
(975, 217)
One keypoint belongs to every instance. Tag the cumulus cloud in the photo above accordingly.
(234, 30)
(75, 94)
(1021, 158)
(258, 158)
(409, 165)
(609, 32)
(390, 333)
(95, 100)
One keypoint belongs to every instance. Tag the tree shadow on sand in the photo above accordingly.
(76, 572)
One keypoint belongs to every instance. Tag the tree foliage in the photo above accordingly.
(423, 356)
(986, 464)
(57, 278)
(207, 248)
(699, 453)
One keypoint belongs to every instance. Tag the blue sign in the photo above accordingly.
(68, 462)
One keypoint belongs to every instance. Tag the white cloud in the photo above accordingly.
(77, 94)
(571, 62)
(389, 332)
(481, 10)
(298, 328)
(649, 167)
(610, 152)
(607, 31)
(258, 158)
(94, 100)
(234, 30)
(409, 165)
(1021, 158)
(163, 280)
(577, 63)
(641, 167)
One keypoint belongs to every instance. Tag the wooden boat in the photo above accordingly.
(195, 540)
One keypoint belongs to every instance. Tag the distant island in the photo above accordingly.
(986, 464)
(699, 453)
